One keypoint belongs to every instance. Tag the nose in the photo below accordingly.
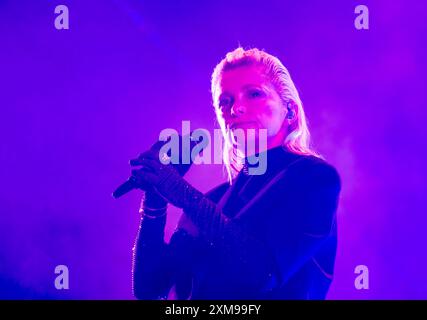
(237, 109)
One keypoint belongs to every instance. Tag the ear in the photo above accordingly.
(291, 111)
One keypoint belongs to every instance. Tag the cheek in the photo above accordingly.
(271, 117)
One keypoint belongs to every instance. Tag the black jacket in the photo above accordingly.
(280, 242)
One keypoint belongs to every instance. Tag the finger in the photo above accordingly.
(143, 169)
(140, 184)
(149, 154)
(139, 172)
(143, 177)
(153, 165)
(135, 162)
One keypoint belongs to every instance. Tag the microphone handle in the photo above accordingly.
(125, 188)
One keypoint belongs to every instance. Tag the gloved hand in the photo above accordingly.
(151, 199)
(165, 179)
(168, 182)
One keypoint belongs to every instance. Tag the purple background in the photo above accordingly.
(77, 104)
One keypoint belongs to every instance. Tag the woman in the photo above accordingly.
(269, 236)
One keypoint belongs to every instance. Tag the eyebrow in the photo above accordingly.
(245, 87)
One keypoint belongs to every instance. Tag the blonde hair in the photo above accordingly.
(298, 138)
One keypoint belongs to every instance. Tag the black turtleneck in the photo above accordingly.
(277, 239)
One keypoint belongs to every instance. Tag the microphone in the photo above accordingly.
(131, 184)
(124, 188)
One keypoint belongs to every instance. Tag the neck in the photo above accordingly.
(271, 144)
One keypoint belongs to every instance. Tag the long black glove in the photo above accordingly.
(240, 249)
(152, 198)
(167, 181)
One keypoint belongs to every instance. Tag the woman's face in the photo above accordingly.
(248, 100)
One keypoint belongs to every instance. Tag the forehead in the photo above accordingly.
(239, 77)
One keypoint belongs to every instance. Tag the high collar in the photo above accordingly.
(276, 158)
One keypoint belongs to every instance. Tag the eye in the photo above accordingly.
(255, 93)
(225, 102)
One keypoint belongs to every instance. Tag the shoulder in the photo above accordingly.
(313, 171)
(311, 187)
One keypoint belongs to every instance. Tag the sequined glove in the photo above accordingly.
(152, 201)
(166, 180)
(169, 183)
